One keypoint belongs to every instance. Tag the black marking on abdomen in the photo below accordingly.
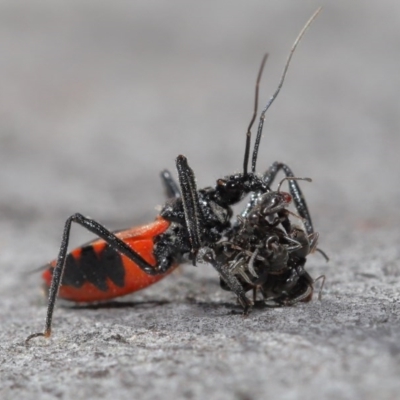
(94, 268)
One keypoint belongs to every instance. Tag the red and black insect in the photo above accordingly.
(96, 272)
(190, 223)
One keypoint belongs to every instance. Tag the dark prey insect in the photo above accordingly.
(191, 220)
(266, 258)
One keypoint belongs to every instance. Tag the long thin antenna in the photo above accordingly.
(248, 134)
(271, 100)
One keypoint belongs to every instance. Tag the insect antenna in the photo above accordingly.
(253, 118)
(273, 97)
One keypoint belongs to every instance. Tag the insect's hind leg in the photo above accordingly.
(297, 195)
(171, 188)
(110, 238)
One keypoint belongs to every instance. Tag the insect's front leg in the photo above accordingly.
(194, 218)
(111, 239)
(295, 191)
(231, 281)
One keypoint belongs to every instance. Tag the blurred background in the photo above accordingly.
(97, 97)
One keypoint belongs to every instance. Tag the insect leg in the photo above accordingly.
(113, 241)
(171, 187)
(322, 277)
(295, 191)
(191, 205)
(230, 280)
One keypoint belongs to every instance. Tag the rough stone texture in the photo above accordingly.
(97, 97)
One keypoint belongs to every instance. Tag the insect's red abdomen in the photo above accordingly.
(96, 272)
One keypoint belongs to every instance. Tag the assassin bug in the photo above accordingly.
(191, 220)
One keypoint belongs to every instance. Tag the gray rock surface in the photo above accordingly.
(97, 97)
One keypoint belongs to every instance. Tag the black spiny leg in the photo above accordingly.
(295, 191)
(113, 241)
(229, 279)
(171, 187)
(191, 205)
